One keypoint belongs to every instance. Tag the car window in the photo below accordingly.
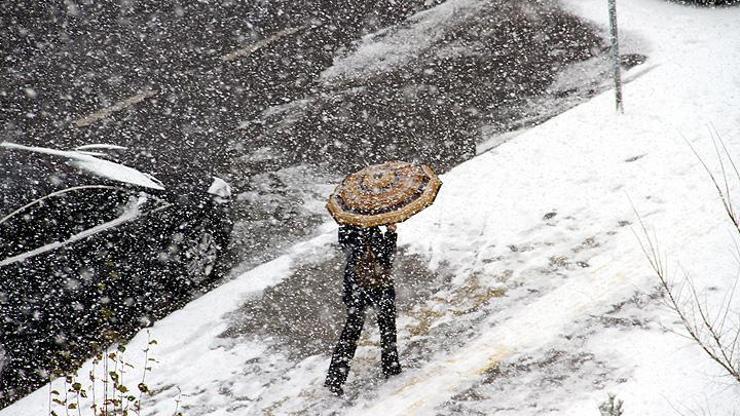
(59, 217)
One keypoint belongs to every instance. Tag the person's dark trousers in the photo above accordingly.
(387, 326)
(346, 347)
(384, 301)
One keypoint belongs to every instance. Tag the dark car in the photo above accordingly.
(91, 250)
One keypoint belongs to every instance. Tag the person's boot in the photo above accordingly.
(391, 369)
(334, 387)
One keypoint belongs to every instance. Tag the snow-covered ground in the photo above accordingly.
(550, 302)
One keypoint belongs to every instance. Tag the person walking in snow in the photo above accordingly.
(368, 282)
(375, 196)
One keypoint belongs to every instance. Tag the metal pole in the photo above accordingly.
(615, 54)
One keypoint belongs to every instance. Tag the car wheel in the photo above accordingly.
(200, 257)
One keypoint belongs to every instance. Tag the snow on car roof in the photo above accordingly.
(96, 166)
(101, 146)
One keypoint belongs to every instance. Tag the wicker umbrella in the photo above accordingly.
(387, 193)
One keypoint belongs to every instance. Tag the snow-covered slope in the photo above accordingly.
(546, 221)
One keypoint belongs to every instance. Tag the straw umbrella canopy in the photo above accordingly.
(382, 194)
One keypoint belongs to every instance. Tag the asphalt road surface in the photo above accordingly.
(171, 80)
(192, 88)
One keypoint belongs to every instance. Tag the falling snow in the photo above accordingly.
(164, 170)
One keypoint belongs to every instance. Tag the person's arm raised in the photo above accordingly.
(348, 238)
(390, 241)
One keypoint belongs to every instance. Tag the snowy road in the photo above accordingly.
(197, 90)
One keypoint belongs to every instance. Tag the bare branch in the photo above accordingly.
(725, 198)
(721, 345)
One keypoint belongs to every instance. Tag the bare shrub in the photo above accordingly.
(716, 332)
(109, 390)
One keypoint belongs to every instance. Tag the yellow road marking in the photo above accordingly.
(121, 105)
(250, 49)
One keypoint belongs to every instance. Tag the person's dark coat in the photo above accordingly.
(353, 241)
(358, 297)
